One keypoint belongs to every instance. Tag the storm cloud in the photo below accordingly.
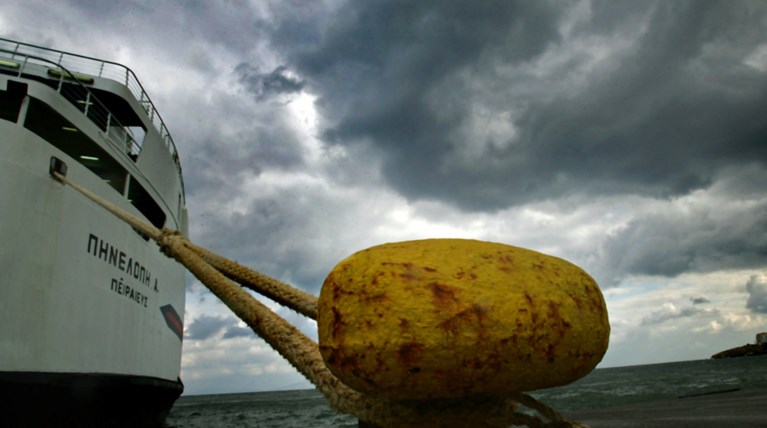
(494, 105)
(264, 85)
(720, 227)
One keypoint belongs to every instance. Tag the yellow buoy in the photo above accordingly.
(446, 318)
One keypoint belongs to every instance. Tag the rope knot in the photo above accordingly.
(169, 241)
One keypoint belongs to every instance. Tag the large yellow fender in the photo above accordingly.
(446, 318)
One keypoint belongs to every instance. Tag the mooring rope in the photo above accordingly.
(284, 294)
(217, 274)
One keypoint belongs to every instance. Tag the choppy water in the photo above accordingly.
(305, 408)
(602, 388)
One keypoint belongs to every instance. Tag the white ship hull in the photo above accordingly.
(91, 313)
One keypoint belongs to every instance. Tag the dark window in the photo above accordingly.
(62, 134)
(140, 198)
(10, 100)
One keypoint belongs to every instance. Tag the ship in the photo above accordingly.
(91, 312)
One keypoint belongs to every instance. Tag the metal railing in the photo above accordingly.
(85, 66)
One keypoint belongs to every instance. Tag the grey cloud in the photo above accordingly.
(657, 118)
(275, 237)
(722, 228)
(757, 294)
(238, 331)
(181, 26)
(264, 85)
(221, 152)
(669, 244)
(671, 312)
(206, 326)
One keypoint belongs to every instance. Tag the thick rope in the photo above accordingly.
(284, 294)
(137, 223)
(287, 340)
(302, 353)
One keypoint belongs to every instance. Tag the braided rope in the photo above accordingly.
(284, 294)
(217, 274)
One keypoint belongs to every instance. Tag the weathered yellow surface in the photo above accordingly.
(442, 318)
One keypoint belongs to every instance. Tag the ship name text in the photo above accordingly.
(117, 258)
(134, 270)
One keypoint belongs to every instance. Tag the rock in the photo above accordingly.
(742, 351)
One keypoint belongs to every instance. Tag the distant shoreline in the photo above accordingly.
(743, 351)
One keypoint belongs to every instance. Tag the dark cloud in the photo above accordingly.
(206, 326)
(277, 237)
(716, 229)
(699, 300)
(237, 331)
(264, 85)
(219, 152)
(757, 294)
(427, 82)
(671, 243)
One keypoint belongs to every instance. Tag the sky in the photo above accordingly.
(628, 137)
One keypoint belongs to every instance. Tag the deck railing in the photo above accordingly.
(73, 64)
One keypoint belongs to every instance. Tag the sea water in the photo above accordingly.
(602, 388)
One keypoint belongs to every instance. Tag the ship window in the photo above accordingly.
(62, 134)
(10, 100)
(136, 142)
(141, 199)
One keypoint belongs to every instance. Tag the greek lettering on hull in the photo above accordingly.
(119, 287)
(133, 269)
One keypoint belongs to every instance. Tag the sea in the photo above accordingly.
(604, 387)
